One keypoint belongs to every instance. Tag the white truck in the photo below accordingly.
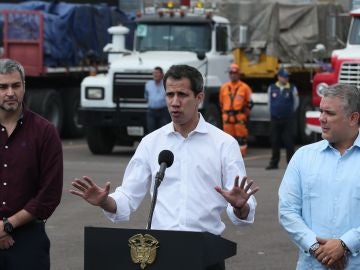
(345, 68)
(113, 108)
(259, 37)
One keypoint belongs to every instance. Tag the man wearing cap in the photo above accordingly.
(235, 103)
(283, 102)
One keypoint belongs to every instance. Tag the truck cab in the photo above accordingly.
(345, 68)
(113, 107)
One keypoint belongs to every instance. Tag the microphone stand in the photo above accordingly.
(158, 179)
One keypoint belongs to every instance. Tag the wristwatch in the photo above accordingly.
(8, 227)
(313, 248)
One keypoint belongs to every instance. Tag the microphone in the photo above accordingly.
(165, 159)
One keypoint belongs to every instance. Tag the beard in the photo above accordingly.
(10, 106)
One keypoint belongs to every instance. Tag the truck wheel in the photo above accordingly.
(101, 141)
(47, 102)
(72, 127)
(304, 136)
(212, 115)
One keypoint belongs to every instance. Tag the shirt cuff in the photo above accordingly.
(351, 240)
(249, 219)
(122, 213)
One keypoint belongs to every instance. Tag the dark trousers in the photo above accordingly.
(218, 266)
(281, 134)
(156, 118)
(30, 250)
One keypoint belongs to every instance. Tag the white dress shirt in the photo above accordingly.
(186, 198)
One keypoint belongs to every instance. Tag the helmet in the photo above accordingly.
(234, 68)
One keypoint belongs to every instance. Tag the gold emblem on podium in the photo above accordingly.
(143, 249)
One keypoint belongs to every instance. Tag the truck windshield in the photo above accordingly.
(354, 37)
(173, 37)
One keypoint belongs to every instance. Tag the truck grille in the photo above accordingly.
(350, 74)
(129, 89)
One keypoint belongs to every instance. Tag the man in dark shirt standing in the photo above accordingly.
(31, 175)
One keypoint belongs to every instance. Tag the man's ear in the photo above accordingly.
(200, 97)
(355, 118)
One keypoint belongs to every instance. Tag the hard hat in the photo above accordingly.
(234, 68)
(283, 73)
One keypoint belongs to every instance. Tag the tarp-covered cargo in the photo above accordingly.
(288, 32)
(72, 34)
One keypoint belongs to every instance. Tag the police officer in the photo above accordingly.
(283, 102)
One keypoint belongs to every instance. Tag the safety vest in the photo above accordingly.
(234, 99)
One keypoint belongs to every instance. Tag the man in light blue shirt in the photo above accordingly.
(157, 114)
(319, 197)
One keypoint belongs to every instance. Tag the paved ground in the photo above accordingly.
(264, 245)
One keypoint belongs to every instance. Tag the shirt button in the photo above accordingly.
(5, 165)
(6, 147)
(4, 183)
(3, 129)
(3, 203)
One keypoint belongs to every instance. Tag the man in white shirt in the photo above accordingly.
(207, 176)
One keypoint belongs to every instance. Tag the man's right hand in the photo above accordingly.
(90, 192)
(6, 242)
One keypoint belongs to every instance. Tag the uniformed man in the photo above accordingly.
(283, 102)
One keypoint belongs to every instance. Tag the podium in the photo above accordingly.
(110, 249)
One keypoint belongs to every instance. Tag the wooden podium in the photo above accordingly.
(110, 249)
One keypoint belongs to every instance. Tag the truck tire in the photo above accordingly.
(47, 103)
(101, 141)
(71, 101)
(212, 115)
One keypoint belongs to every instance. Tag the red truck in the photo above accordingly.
(53, 80)
(345, 68)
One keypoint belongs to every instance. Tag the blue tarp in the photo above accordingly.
(73, 33)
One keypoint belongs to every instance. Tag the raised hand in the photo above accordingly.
(239, 194)
(89, 191)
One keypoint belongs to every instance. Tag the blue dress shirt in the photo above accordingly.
(320, 196)
(155, 95)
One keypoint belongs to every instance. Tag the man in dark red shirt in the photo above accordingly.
(31, 175)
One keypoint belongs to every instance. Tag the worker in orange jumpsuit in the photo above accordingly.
(235, 103)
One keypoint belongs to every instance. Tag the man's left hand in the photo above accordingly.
(239, 194)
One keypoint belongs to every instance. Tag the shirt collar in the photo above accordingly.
(200, 128)
(327, 145)
(287, 85)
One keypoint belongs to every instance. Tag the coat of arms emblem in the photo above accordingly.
(143, 249)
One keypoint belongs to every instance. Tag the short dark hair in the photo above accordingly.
(159, 69)
(178, 72)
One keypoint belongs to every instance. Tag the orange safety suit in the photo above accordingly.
(234, 99)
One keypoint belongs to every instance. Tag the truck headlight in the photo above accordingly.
(320, 89)
(94, 93)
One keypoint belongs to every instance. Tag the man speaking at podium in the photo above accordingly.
(207, 174)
